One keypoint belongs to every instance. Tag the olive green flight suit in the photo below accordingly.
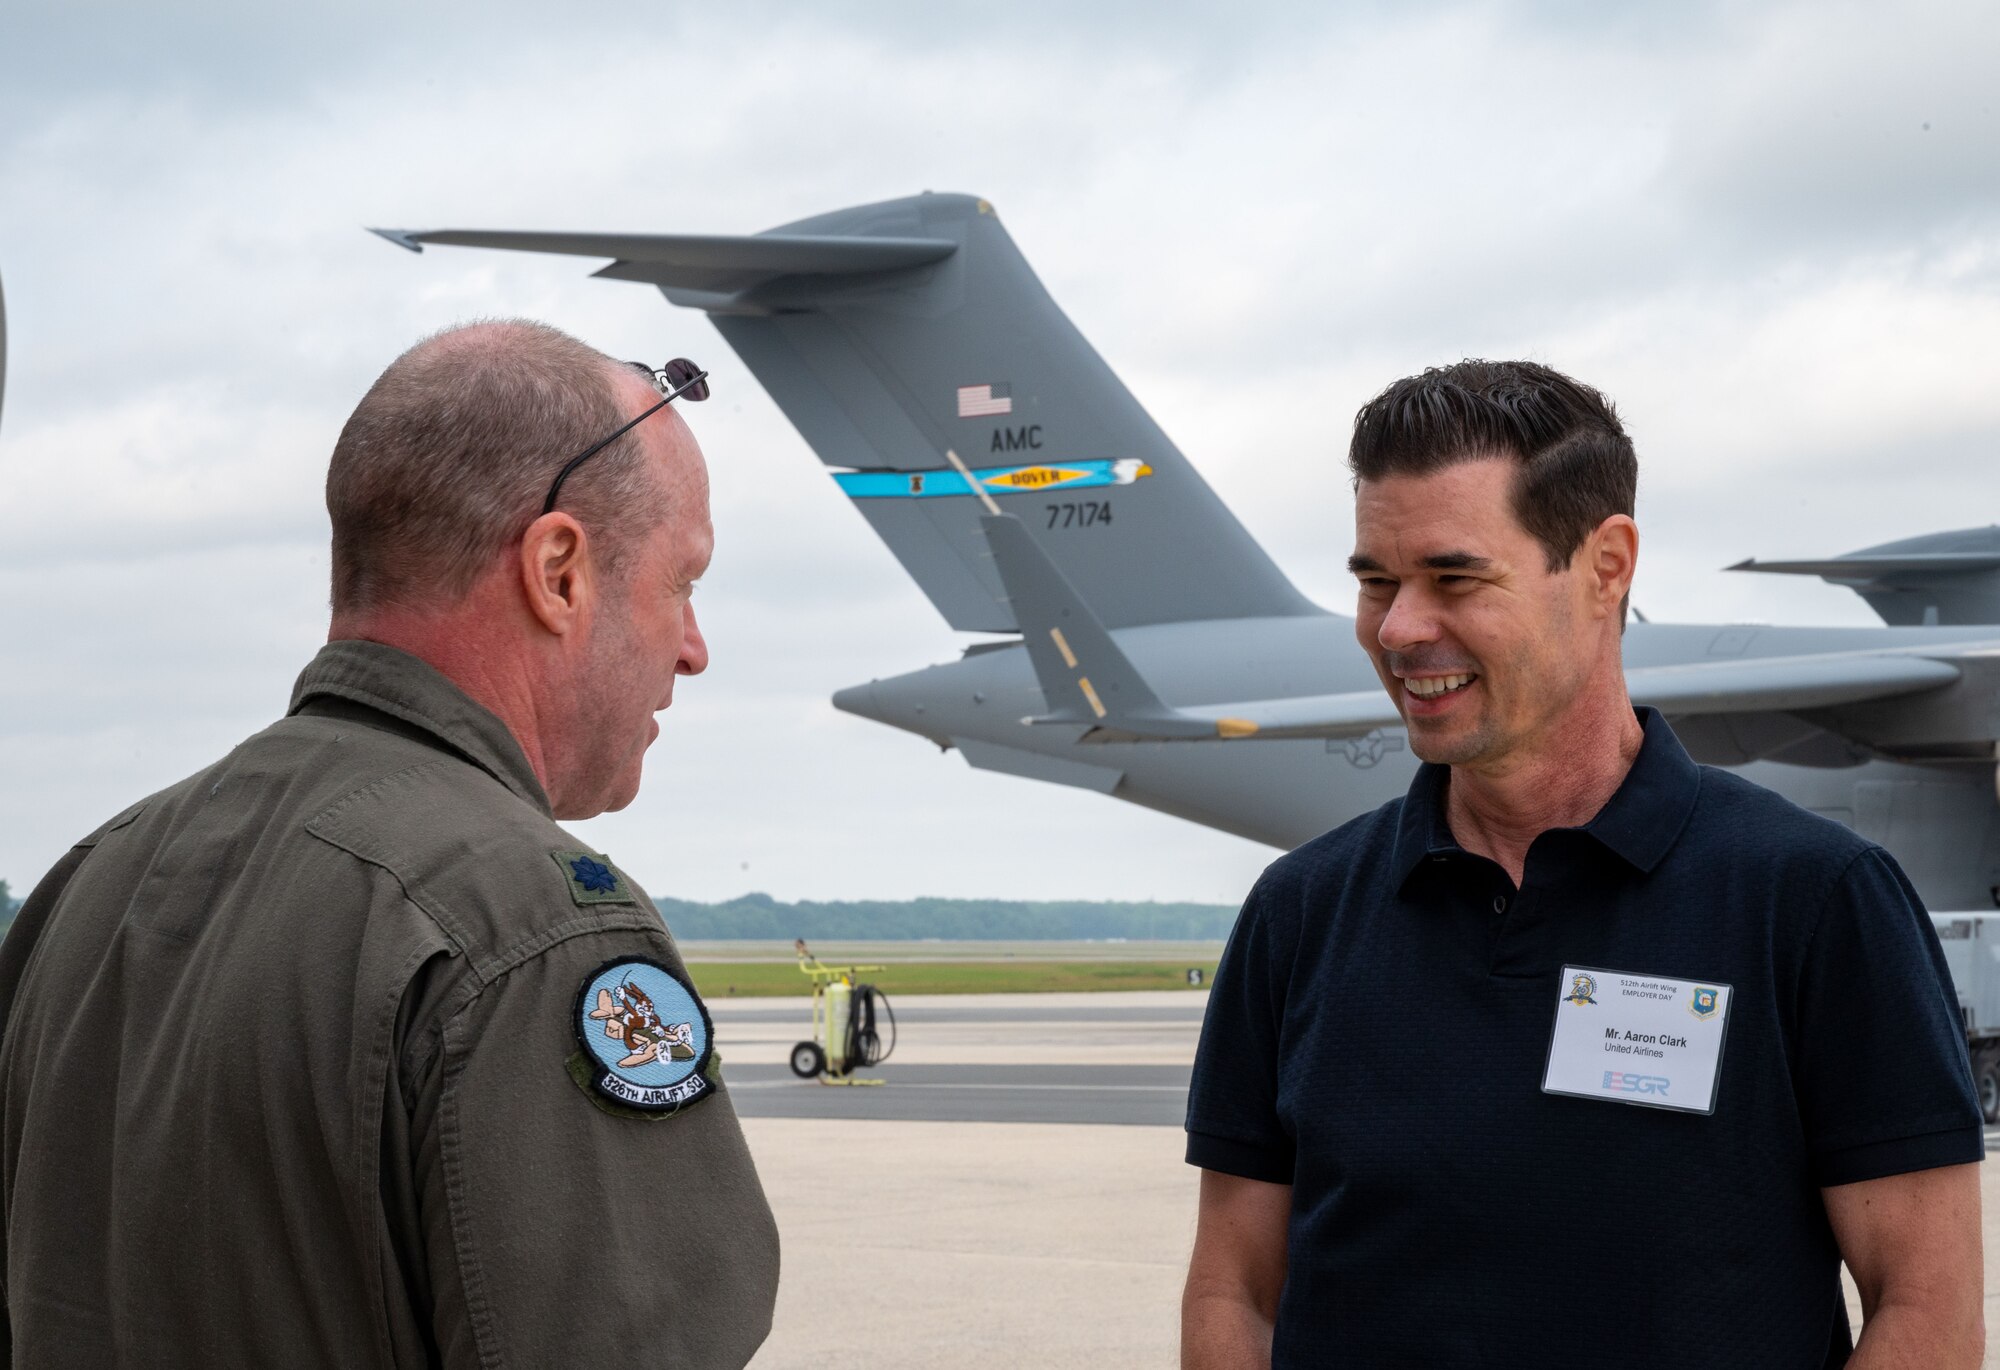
(291, 1073)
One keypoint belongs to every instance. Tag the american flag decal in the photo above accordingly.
(983, 401)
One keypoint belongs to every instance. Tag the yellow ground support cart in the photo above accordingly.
(844, 1023)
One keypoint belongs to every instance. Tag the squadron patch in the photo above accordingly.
(592, 878)
(647, 1041)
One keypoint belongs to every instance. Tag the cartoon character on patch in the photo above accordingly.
(628, 1016)
(646, 1036)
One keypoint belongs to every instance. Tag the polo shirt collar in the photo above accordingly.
(407, 688)
(1639, 824)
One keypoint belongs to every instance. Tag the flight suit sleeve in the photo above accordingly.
(562, 1229)
(1883, 1080)
(1233, 1124)
(36, 909)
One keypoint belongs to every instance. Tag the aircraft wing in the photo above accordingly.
(1785, 684)
(1087, 679)
(1354, 714)
(1772, 685)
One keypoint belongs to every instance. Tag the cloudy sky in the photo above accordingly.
(1770, 231)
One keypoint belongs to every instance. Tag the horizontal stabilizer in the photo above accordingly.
(1867, 568)
(1927, 581)
(707, 263)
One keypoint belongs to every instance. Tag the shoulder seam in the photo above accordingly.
(430, 907)
(124, 819)
(372, 786)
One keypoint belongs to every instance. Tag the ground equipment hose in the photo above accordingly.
(864, 1043)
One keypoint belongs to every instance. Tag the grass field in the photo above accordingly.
(726, 979)
(838, 952)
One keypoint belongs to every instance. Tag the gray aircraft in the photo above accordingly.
(1159, 656)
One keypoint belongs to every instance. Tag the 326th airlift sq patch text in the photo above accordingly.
(648, 1044)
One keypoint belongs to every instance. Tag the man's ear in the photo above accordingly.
(1610, 559)
(558, 578)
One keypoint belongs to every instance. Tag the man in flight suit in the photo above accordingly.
(305, 1058)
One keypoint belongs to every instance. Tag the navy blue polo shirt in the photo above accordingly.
(1376, 1038)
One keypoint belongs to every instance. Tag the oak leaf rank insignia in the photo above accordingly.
(592, 879)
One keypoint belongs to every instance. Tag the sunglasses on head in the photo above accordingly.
(679, 378)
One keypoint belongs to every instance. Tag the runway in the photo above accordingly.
(1153, 1096)
(1058, 1058)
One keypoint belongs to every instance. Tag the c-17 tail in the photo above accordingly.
(891, 333)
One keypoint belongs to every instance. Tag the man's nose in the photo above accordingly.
(694, 649)
(1410, 622)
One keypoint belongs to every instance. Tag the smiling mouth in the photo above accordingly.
(1438, 686)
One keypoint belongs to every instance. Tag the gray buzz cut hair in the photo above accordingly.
(448, 457)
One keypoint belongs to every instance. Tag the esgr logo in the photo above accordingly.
(1625, 1082)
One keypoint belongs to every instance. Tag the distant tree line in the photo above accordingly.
(759, 916)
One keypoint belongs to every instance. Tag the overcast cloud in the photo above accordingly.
(1772, 232)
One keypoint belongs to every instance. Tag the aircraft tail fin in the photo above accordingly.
(891, 333)
(1939, 578)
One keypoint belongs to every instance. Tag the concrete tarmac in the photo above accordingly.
(980, 1058)
(913, 1246)
(1015, 1196)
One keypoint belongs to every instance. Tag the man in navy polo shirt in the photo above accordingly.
(1579, 1052)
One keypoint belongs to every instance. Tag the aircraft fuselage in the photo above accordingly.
(1940, 816)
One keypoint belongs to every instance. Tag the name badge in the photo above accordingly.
(1638, 1039)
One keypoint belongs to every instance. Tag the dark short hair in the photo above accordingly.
(1577, 467)
(449, 455)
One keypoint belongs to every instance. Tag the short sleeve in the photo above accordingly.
(1883, 1079)
(562, 1229)
(1233, 1124)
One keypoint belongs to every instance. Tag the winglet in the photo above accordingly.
(1088, 681)
(1086, 678)
(405, 238)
